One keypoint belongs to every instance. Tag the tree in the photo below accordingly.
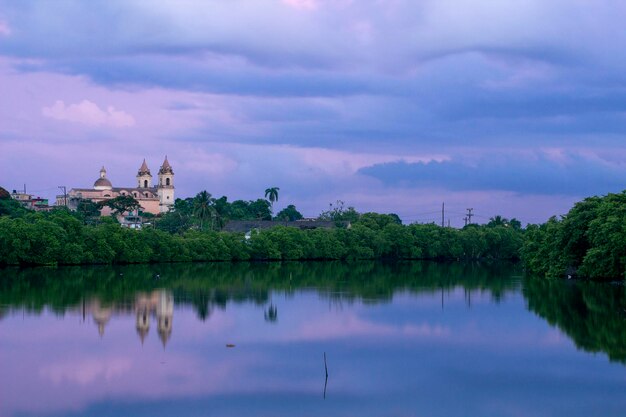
(515, 224)
(260, 210)
(338, 212)
(10, 207)
(497, 221)
(222, 210)
(589, 241)
(88, 210)
(203, 206)
(272, 195)
(121, 204)
(289, 214)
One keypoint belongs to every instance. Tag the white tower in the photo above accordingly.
(166, 187)
(144, 178)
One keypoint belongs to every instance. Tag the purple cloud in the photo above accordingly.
(89, 113)
(567, 174)
(232, 89)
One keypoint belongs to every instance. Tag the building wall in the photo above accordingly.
(148, 204)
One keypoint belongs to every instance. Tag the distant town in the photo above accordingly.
(152, 198)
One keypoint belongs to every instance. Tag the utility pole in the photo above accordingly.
(443, 214)
(469, 215)
(465, 220)
(64, 189)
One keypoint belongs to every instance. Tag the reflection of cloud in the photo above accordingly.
(425, 330)
(332, 327)
(86, 371)
(88, 113)
(554, 338)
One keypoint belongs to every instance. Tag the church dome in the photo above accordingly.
(102, 183)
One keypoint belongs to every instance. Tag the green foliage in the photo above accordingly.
(503, 221)
(88, 210)
(121, 204)
(61, 237)
(338, 212)
(205, 212)
(249, 210)
(259, 209)
(11, 207)
(289, 214)
(179, 219)
(589, 241)
(203, 207)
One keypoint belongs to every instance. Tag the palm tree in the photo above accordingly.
(272, 195)
(203, 206)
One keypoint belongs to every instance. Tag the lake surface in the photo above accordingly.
(400, 339)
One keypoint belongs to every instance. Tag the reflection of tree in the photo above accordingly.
(592, 314)
(214, 285)
(271, 314)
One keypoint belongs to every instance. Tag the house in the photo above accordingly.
(30, 202)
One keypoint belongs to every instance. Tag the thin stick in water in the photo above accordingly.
(325, 380)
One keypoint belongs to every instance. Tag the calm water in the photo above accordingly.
(410, 339)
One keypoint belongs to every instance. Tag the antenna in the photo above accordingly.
(443, 214)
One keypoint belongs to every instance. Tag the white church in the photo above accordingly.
(153, 199)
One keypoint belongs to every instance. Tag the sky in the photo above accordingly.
(515, 108)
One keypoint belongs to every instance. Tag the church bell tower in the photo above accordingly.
(166, 187)
(144, 178)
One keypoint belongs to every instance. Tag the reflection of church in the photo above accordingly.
(158, 304)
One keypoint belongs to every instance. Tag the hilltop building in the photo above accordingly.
(153, 199)
(29, 201)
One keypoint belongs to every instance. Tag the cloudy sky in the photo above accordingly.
(510, 107)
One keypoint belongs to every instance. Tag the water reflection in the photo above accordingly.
(106, 293)
(271, 314)
(593, 314)
(157, 305)
(460, 335)
(208, 286)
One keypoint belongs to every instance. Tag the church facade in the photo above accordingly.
(153, 198)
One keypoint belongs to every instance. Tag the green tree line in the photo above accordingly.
(64, 237)
(589, 241)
